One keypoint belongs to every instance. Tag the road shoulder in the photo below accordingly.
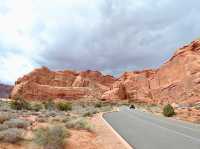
(107, 136)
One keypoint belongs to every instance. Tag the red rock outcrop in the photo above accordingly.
(178, 80)
(117, 91)
(43, 83)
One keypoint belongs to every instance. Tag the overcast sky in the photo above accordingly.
(111, 36)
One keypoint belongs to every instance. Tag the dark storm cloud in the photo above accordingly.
(130, 35)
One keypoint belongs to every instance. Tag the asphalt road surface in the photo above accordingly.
(146, 131)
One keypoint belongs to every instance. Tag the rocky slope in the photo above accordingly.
(43, 83)
(5, 90)
(178, 80)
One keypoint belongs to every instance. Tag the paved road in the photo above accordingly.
(145, 131)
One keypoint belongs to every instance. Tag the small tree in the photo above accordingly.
(168, 110)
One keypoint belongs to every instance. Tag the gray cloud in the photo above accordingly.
(128, 35)
(112, 36)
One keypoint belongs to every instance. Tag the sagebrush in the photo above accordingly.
(51, 137)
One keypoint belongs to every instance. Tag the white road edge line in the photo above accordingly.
(179, 133)
(128, 146)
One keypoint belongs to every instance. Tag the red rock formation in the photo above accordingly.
(178, 80)
(118, 91)
(43, 83)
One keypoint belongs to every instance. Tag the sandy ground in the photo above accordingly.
(191, 115)
(102, 138)
(188, 114)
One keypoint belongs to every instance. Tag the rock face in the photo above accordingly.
(117, 91)
(43, 83)
(5, 90)
(178, 80)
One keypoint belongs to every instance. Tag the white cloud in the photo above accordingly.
(13, 66)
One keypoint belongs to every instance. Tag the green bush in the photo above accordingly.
(20, 104)
(168, 110)
(98, 105)
(37, 107)
(11, 135)
(51, 137)
(17, 123)
(64, 106)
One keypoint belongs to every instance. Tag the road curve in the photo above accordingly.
(146, 131)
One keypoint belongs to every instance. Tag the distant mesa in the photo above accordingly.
(177, 80)
(5, 90)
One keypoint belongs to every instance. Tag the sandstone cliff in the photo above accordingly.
(43, 83)
(178, 80)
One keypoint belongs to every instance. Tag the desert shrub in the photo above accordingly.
(4, 116)
(20, 104)
(41, 119)
(79, 123)
(37, 107)
(98, 105)
(58, 118)
(106, 108)
(11, 135)
(49, 105)
(3, 127)
(168, 110)
(152, 105)
(64, 106)
(66, 119)
(87, 114)
(17, 123)
(51, 137)
(83, 105)
(4, 105)
(90, 112)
